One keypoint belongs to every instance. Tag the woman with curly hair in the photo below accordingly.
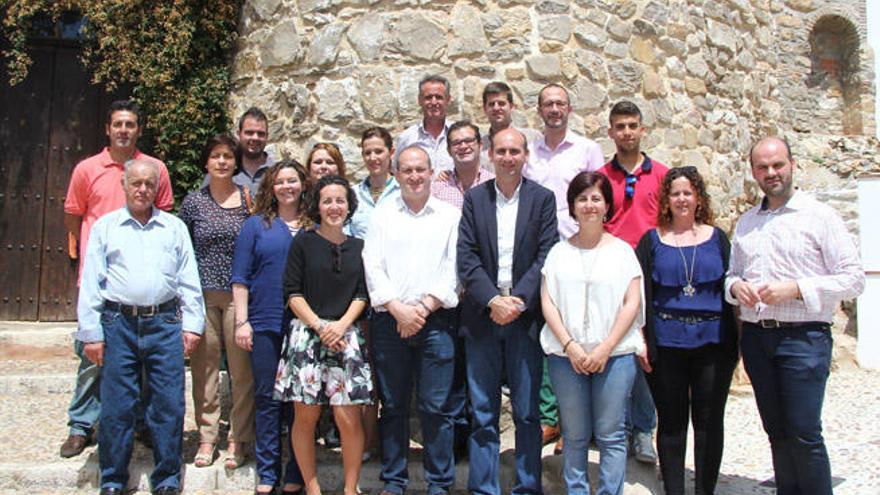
(324, 360)
(689, 329)
(257, 293)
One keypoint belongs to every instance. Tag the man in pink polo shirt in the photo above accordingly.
(96, 189)
(635, 182)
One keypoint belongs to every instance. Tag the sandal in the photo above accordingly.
(294, 491)
(205, 459)
(236, 459)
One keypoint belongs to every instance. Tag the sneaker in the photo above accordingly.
(643, 447)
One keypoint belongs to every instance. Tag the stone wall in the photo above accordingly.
(709, 76)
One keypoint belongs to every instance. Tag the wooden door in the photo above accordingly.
(48, 123)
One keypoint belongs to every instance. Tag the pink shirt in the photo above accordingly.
(554, 169)
(805, 241)
(635, 215)
(451, 190)
(96, 189)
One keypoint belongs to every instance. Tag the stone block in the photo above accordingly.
(468, 37)
(325, 45)
(590, 35)
(544, 67)
(696, 65)
(619, 30)
(417, 38)
(722, 36)
(592, 65)
(281, 47)
(377, 95)
(587, 96)
(652, 84)
(555, 28)
(337, 100)
(801, 5)
(642, 50)
(264, 9)
(615, 49)
(656, 12)
(626, 77)
(695, 86)
(552, 6)
(367, 35)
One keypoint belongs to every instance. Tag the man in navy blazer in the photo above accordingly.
(507, 227)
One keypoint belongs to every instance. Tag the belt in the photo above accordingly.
(129, 310)
(788, 324)
(504, 291)
(692, 318)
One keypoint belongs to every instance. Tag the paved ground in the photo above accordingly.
(36, 374)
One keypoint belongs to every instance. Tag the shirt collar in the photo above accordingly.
(795, 202)
(428, 208)
(425, 134)
(107, 158)
(515, 195)
(154, 217)
(567, 140)
(646, 167)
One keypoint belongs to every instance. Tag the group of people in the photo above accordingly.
(462, 262)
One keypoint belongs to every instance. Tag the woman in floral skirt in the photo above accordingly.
(324, 359)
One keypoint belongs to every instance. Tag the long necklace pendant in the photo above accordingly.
(689, 290)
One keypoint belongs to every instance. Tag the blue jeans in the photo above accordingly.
(153, 345)
(788, 368)
(85, 405)
(593, 406)
(522, 362)
(428, 358)
(270, 414)
(641, 417)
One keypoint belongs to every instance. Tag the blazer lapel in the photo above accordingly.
(522, 215)
(492, 225)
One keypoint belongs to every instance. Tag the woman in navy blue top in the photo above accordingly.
(690, 330)
(258, 296)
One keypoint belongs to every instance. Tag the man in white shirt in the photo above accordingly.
(430, 133)
(409, 260)
(792, 261)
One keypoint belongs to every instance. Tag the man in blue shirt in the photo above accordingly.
(140, 311)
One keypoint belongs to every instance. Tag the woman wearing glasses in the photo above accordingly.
(324, 357)
(257, 269)
(690, 330)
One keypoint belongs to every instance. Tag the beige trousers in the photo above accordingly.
(205, 367)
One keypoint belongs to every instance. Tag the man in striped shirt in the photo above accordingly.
(792, 261)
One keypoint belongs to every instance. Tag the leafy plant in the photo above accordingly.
(174, 54)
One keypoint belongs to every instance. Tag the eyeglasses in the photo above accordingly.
(458, 142)
(337, 258)
(630, 189)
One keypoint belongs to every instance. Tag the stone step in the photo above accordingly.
(83, 475)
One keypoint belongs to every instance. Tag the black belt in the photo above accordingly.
(129, 310)
(788, 324)
(692, 318)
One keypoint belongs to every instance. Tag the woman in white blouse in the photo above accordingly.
(591, 296)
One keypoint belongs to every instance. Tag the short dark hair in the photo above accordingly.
(766, 139)
(252, 113)
(220, 140)
(703, 212)
(435, 78)
(497, 88)
(378, 132)
(315, 197)
(552, 85)
(461, 124)
(625, 107)
(586, 180)
(125, 106)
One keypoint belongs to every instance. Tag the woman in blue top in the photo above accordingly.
(690, 330)
(214, 215)
(258, 296)
(377, 148)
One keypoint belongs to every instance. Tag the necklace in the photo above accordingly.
(588, 275)
(688, 289)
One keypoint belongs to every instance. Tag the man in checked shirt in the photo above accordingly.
(792, 260)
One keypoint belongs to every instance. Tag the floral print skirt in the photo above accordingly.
(312, 374)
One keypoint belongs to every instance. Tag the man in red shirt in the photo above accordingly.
(635, 181)
(96, 189)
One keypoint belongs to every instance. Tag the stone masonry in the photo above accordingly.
(710, 76)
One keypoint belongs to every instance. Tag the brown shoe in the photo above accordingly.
(549, 433)
(557, 449)
(74, 445)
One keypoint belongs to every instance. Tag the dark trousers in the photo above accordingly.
(788, 368)
(428, 360)
(271, 415)
(694, 381)
(151, 345)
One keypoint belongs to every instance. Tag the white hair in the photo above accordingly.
(130, 164)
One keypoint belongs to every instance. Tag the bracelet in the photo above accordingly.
(565, 347)
(240, 324)
(318, 327)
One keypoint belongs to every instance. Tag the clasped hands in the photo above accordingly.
(410, 317)
(585, 362)
(332, 335)
(505, 309)
(749, 294)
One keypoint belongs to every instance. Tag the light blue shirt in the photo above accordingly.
(138, 265)
(360, 221)
(435, 147)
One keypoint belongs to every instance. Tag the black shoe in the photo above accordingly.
(167, 490)
(111, 491)
(74, 445)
